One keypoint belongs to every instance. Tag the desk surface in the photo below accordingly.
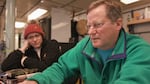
(5, 80)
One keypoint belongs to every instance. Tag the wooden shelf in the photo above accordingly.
(138, 21)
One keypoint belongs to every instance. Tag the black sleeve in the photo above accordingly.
(50, 54)
(13, 61)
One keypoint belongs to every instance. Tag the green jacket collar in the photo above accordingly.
(119, 51)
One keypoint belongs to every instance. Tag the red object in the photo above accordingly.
(33, 28)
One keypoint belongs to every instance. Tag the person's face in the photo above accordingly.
(35, 40)
(103, 33)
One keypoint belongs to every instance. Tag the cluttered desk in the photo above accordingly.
(16, 75)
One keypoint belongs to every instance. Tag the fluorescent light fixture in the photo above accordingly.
(19, 24)
(128, 1)
(37, 13)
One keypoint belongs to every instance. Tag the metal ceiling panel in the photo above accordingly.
(63, 2)
(24, 7)
(82, 4)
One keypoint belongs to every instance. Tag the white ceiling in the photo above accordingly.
(24, 7)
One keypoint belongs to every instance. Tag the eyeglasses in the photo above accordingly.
(95, 26)
(33, 36)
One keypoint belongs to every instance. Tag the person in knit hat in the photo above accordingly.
(37, 52)
(33, 28)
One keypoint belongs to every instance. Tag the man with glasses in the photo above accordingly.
(36, 52)
(108, 55)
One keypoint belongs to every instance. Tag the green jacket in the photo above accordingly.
(128, 64)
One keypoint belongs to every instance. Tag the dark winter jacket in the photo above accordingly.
(49, 54)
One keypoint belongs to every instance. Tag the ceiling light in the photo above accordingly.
(36, 14)
(19, 24)
(128, 1)
(42, 1)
